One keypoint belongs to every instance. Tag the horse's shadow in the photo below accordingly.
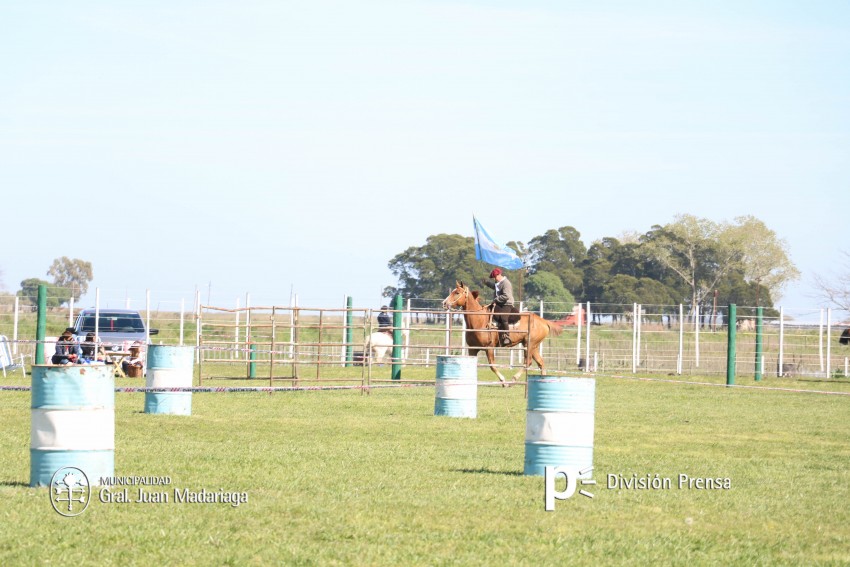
(14, 483)
(488, 471)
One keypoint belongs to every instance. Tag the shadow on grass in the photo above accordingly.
(13, 483)
(489, 471)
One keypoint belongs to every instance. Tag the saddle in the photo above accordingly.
(513, 318)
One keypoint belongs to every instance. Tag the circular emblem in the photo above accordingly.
(70, 491)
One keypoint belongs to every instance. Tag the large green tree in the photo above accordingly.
(548, 288)
(431, 270)
(560, 252)
(56, 296)
(683, 261)
(74, 275)
(747, 294)
(623, 289)
(764, 260)
(597, 267)
(700, 251)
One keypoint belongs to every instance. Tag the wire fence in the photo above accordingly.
(289, 342)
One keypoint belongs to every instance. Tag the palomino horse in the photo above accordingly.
(530, 331)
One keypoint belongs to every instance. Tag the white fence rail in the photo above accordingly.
(651, 339)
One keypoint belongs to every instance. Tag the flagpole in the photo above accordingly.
(521, 270)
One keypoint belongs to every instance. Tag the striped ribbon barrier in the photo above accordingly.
(218, 389)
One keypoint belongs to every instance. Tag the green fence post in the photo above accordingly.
(397, 337)
(41, 324)
(349, 332)
(252, 366)
(732, 321)
(759, 341)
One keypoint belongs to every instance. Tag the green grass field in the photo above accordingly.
(341, 478)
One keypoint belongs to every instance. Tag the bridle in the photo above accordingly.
(454, 303)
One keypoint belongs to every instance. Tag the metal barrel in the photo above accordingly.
(456, 386)
(72, 421)
(169, 367)
(559, 424)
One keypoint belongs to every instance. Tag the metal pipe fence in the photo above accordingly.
(297, 343)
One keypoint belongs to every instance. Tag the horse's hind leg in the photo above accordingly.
(535, 354)
(532, 353)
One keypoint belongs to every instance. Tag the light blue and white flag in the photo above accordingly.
(488, 250)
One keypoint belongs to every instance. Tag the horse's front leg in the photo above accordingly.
(491, 360)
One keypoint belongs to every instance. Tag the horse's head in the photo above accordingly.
(460, 297)
(457, 298)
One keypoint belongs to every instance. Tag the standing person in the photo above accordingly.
(67, 349)
(503, 303)
(385, 321)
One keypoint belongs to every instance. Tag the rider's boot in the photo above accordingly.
(505, 338)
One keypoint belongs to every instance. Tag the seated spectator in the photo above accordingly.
(90, 350)
(133, 364)
(67, 349)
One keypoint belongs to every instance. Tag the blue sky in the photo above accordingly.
(267, 146)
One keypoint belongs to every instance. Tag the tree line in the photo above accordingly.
(692, 261)
(71, 278)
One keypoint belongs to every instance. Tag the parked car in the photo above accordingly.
(117, 328)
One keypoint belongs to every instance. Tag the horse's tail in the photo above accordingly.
(555, 328)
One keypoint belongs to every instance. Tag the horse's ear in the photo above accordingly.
(475, 294)
(460, 284)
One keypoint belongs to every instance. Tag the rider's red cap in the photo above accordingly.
(495, 273)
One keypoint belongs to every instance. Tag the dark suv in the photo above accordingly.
(117, 328)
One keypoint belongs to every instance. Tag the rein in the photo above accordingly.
(466, 303)
(467, 310)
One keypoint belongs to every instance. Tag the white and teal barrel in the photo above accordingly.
(169, 367)
(559, 423)
(456, 386)
(72, 421)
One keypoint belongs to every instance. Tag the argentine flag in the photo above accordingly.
(488, 250)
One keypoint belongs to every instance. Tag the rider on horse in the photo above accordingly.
(385, 321)
(503, 303)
